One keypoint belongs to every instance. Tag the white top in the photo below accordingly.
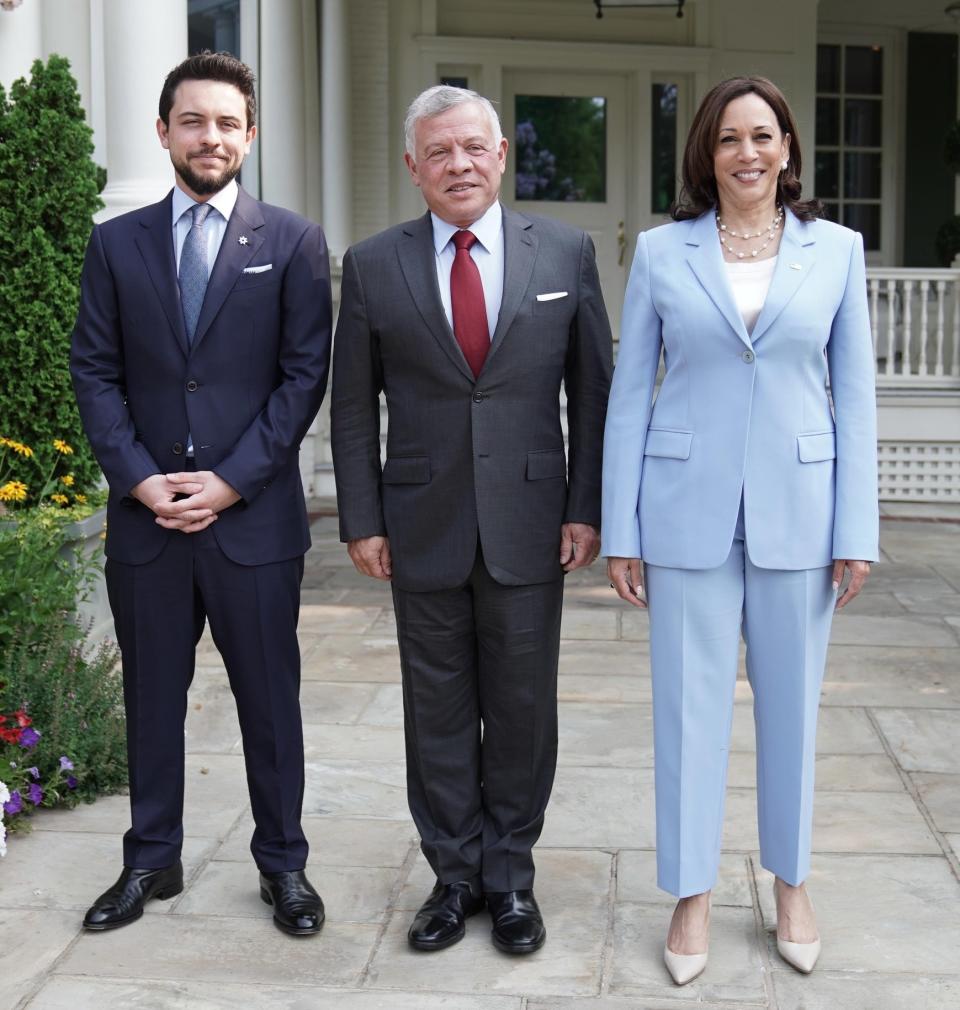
(750, 281)
(487, 253)
(214, 227)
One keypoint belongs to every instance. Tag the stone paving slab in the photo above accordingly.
(77, 993)
(214, 949)
(572, 889)
(735, 970)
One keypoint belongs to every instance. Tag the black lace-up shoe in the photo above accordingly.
(297, 908)
(123, 903)
(441, 920)
(517, 923)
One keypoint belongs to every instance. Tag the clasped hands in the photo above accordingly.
(579, 546)
(207, 495)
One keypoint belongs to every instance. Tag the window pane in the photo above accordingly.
(826, 182)
(863, 122)
(561, 148)
(861, 175)
(828, 68)
(663, 148)
(214, 25)
(828, 121)
(864, 218)
(455, 82)
(831, 211)
(864, 70)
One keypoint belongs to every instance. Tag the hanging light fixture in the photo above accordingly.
(600, 4)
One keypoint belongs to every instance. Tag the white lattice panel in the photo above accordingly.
(919, 471)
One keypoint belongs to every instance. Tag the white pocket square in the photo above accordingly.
(258, 270)
(551, 296)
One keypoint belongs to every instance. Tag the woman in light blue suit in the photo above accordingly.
(748, 489)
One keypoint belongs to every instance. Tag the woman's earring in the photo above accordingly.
(783, 165)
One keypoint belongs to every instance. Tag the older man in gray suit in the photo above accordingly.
(469, 319)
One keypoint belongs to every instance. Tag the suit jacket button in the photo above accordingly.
(479, 397)
(747, 356)
(192, 385)
(178, 448)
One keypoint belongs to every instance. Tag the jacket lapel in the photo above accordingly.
(519, 255)
(231, 259)
(155, 241)
(706, 261)
(794, 264)
(417, 258)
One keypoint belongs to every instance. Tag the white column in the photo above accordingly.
(142, 42)
(282, 150)
(21, 41)
(66, 32)
(336, 117)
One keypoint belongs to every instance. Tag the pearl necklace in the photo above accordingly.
(770, 231)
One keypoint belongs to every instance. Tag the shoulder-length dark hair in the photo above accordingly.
(699, 191)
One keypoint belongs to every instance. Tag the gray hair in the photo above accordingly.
(438, 99)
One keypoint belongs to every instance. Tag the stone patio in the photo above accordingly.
(886, 835)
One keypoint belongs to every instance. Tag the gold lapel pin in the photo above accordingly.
(243, 240)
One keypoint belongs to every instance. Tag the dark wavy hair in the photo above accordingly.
(208, 66)
(699, 191)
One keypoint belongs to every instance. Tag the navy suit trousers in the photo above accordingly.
(160, 609)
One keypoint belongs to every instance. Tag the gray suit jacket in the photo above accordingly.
(470, 458)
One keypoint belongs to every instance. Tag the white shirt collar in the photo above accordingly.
(486, 228)
(224, 201)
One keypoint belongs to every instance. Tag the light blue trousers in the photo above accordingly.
(696, 618)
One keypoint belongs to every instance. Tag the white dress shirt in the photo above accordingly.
(213, 228)
(487, 253)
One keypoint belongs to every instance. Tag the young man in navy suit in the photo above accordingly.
(199, 359)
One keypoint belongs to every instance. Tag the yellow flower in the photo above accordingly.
(67, 479)
(81, 498)
(14, 490)
(62, 447)
(18, 447)
(60, 499)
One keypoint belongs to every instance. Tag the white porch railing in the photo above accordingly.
(915, 321)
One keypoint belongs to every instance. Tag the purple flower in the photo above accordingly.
(35, 794)
(71, 782)
(34, 771)
(15, 804)
(29, 738)
(66, 764)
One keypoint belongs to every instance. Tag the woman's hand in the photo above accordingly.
(626, 576)
(859, 570)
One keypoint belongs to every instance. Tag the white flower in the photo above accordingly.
(4, 792)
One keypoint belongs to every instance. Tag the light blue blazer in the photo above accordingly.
(743, 414)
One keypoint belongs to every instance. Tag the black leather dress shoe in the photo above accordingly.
(441, 920)
(124, 902)
(297, 908)
(517, 923)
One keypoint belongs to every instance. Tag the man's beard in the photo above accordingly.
(205, 185)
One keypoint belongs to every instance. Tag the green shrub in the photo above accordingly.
(48, 194)
(68, 696)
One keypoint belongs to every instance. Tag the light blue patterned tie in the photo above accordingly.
(193, 270)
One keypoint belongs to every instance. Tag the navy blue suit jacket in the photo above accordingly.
(246, 389)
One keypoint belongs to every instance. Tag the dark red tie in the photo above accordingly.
(469, 308)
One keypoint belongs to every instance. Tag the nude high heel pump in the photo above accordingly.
(683, 968)
(802, 956)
